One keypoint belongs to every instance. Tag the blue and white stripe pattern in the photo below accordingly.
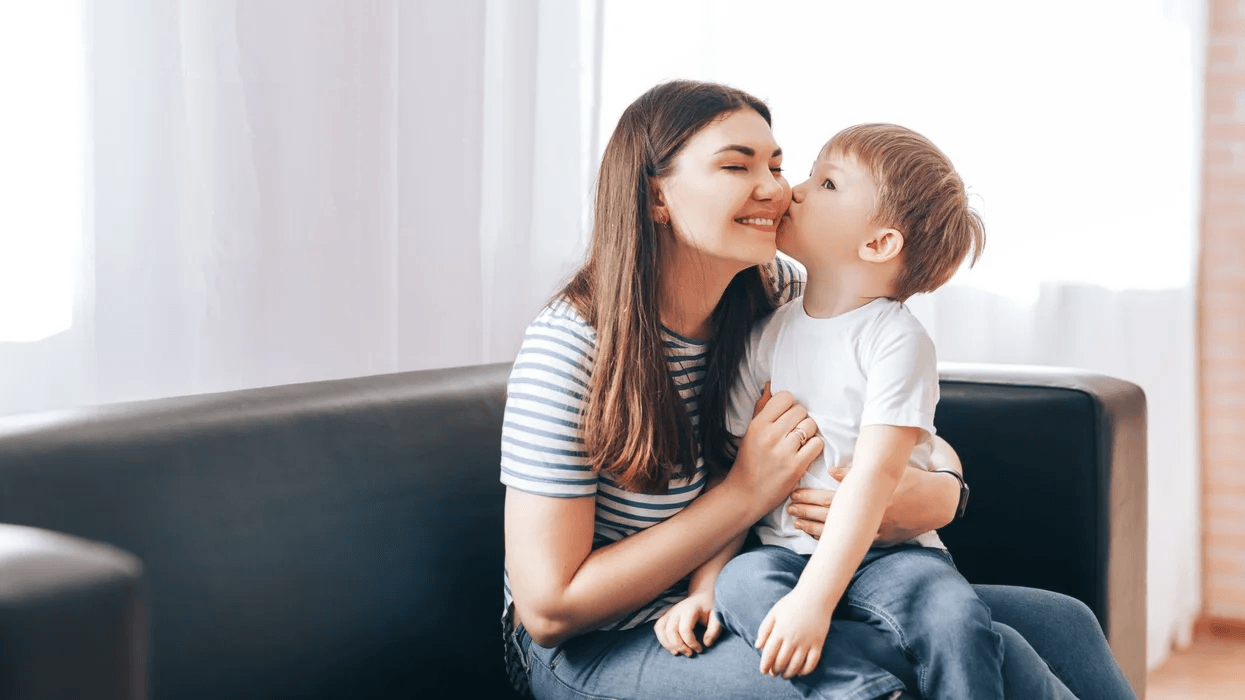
(542, 448)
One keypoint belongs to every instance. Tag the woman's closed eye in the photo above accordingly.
(744, 168)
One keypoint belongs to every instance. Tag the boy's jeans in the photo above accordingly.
(913, 592)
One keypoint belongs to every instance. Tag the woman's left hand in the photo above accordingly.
(810, 507)
(922, 501)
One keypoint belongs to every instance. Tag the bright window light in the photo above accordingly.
(1075, 124)
(42, 123)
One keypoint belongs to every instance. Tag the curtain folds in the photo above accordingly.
(287, 192)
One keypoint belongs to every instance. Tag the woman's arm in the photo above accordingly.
(562, 587)
(923, 501)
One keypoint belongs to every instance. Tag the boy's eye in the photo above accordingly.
(827, 184)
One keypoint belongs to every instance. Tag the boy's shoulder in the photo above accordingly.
(894, 319)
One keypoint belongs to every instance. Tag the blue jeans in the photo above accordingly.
(913, 593)
(632, 664)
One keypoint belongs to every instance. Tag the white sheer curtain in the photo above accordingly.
(1076, 125)
(283, 190)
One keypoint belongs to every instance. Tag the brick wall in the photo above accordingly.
(1222, 314)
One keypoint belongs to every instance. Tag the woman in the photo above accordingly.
(614, 449)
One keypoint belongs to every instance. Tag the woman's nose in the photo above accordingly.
(771, 187)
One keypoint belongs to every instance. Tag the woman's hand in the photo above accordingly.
(772, 456)
(923, 501)
(676, 629)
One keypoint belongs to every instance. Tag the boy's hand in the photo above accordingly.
(792, 634)
(676, 629)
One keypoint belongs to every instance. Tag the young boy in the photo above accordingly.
(883, 216)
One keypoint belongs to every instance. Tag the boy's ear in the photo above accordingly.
(885, 245)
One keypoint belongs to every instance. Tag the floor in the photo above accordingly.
(1213, 668)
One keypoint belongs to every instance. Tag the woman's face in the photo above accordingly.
(726, 192)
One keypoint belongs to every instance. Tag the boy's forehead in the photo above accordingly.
(836, 158)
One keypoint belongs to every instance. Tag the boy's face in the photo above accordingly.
(829, 215)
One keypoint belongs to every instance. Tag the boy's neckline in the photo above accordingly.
(844, 316)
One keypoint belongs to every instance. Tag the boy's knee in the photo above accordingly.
(956, 612)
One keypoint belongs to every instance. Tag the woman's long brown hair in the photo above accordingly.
(636, 428)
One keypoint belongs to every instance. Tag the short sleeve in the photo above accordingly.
(901, 368)
(542, 446)
(788, 280)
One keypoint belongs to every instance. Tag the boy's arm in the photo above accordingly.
(881, 456)
(792, 635)
(900, 395)
(901, 392)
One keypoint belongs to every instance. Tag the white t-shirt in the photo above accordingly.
(874, 365)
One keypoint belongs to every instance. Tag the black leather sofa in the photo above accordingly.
(343, 539)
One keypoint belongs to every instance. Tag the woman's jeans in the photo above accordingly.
(912, 593)
(633, 664)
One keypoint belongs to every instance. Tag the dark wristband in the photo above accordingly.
(959, 508)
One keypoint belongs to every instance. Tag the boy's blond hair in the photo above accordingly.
(921, 195)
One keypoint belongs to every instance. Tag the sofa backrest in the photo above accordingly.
(344, 538)
(325, 540)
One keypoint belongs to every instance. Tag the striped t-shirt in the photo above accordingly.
(542, 446)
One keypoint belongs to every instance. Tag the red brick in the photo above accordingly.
(1225, 55)
(1226, 20)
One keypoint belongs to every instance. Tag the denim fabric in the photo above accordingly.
(1063, 632)
(912, 592)
(632, 664)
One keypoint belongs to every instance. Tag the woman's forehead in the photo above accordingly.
(742, 128)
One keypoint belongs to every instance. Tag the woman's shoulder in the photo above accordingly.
(788, 276)
(558, 348)
(561, 319)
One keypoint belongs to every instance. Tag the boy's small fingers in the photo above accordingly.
(763, 633)
(782, 661)
(810, 664)
(795, 665)
(767, 658)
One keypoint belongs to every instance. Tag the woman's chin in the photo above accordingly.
(764, 254)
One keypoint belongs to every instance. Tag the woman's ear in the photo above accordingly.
(885, 245)
(657, 208)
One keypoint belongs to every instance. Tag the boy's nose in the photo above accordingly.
(798, 191)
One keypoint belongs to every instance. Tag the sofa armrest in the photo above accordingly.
(1056, 459)
(71, 618)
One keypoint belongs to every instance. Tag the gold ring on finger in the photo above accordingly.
(802, 435)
